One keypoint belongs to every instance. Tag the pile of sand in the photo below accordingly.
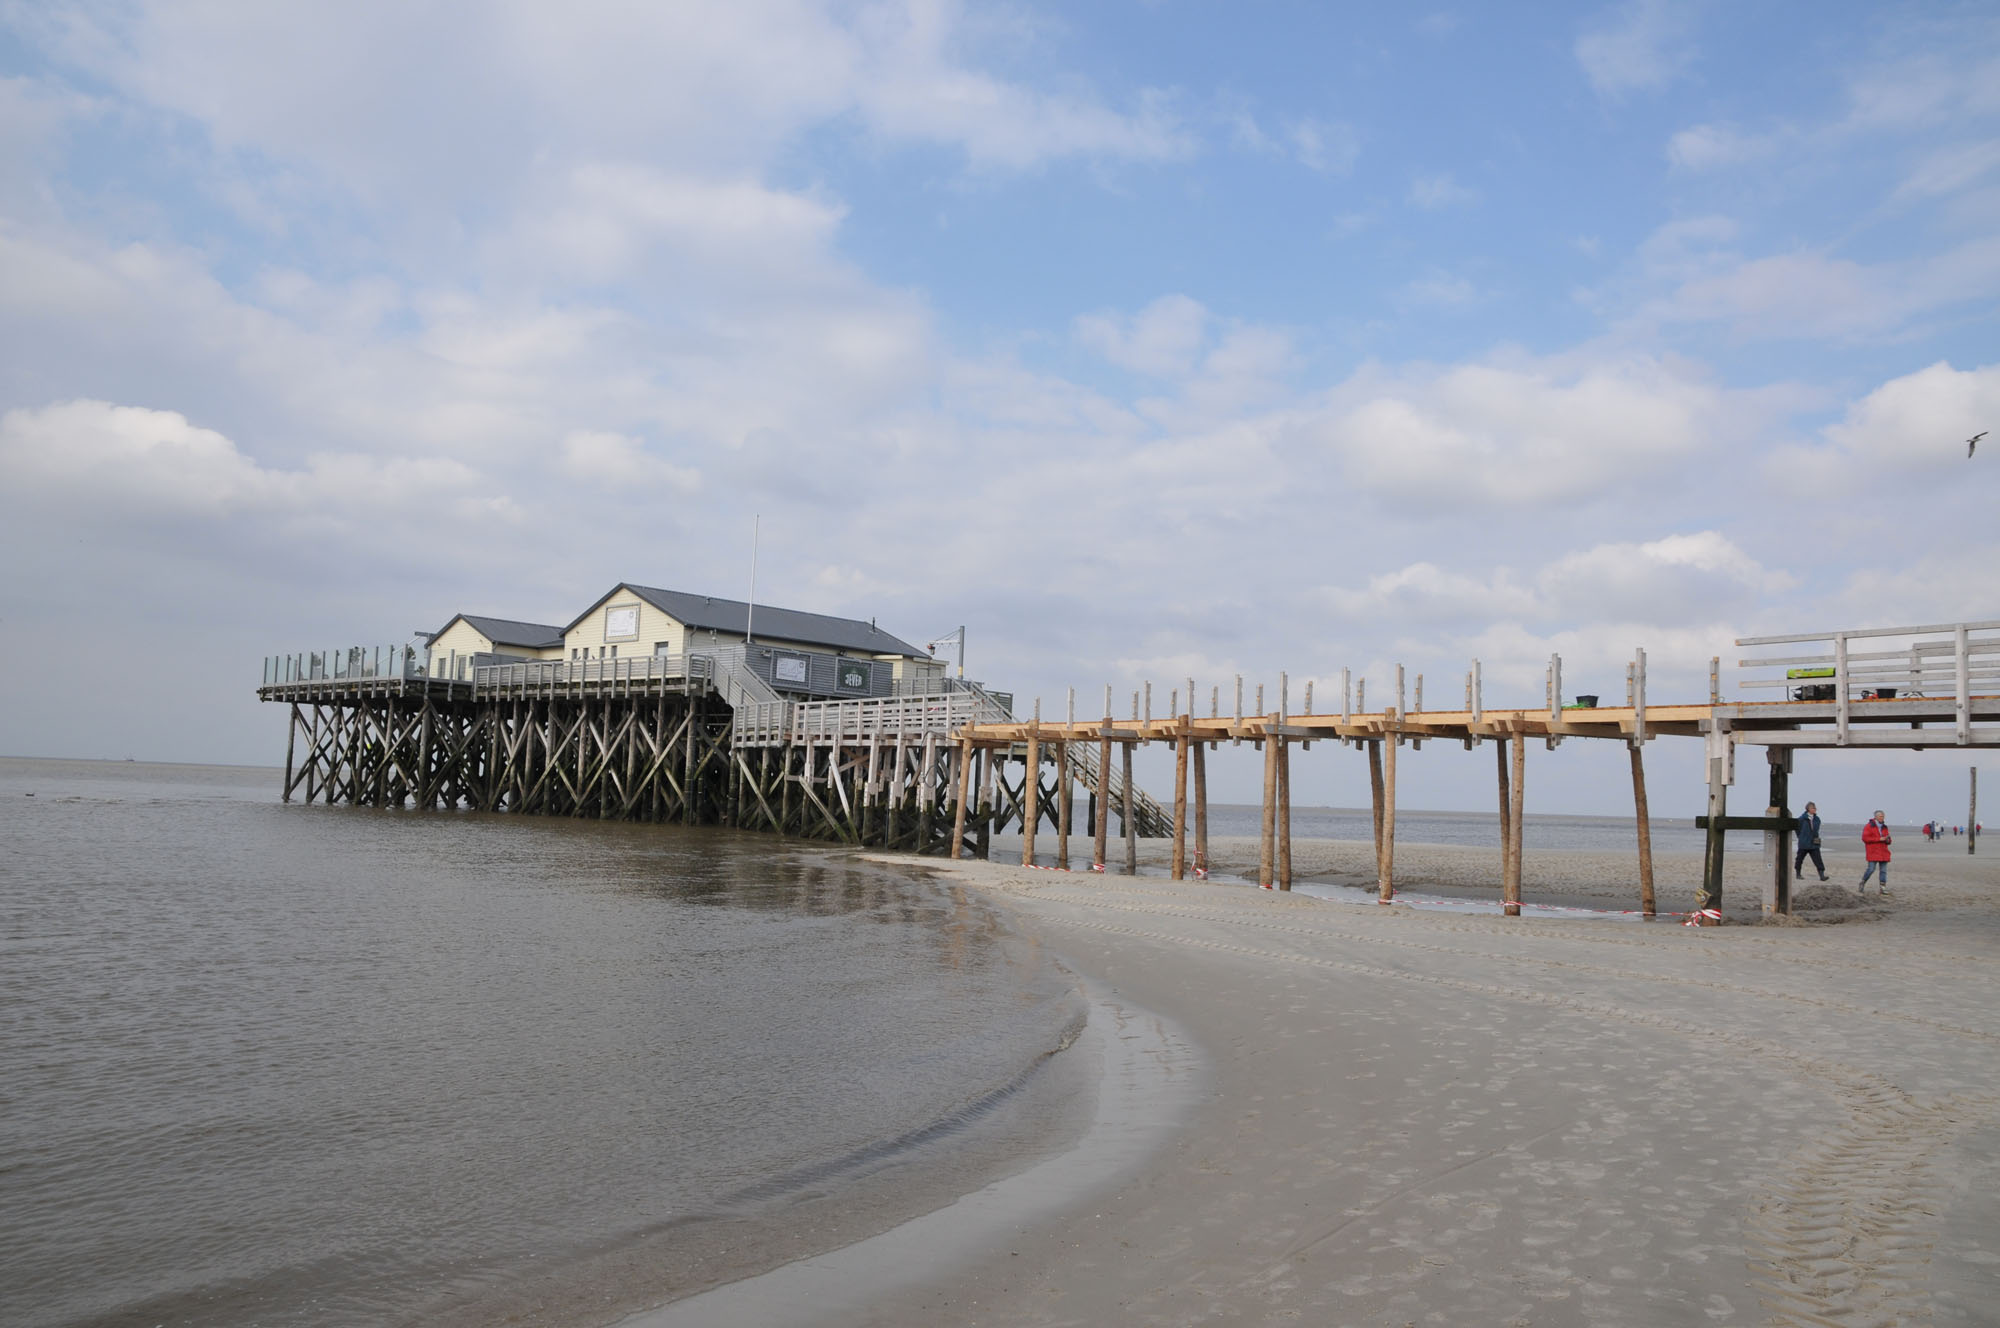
(1822, 897)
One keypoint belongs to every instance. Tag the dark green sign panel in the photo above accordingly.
(853, 677)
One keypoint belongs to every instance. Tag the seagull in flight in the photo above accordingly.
(1972, 443)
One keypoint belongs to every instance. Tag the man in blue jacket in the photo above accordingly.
(1809, 841)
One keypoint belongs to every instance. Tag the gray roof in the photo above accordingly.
(733, 615)
(510, 632)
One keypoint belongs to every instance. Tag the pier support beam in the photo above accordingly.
(1778, 890)
(1200, 811)
(1718, 813)
(1284, 814)
(1386, 886)
(1644, 821)
(1267, 844)
(1031, 789)
(1374, 746)
(1063, 801)
(1517, 802)
(1180, 804)
(1131, 826)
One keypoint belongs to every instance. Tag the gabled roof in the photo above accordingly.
(509, 632)
(733, 615)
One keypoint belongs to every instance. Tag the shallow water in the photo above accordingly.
(287, 1064)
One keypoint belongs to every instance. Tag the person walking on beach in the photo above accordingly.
(1875, 838)
(1809, 841)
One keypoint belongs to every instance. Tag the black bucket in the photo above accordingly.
(1586, 702)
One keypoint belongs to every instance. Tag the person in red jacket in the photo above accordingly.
(1875, 839)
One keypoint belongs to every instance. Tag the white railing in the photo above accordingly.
(1953, 660)
(883, 717)
(343, 664)
(563, 674)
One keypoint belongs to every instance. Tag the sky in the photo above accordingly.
(1148, 340)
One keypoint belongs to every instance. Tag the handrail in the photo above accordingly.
(563, 673)
(1955, 662)
(343, 664)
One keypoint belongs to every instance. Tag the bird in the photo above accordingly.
(1972, 443)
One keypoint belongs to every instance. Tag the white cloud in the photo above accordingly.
(1670, 582)
(1712, 146)
(1161, 340)
(1642, 46)
(1324, 145)
(1432, 192)
(1921, 421)
(1951, 169)
(1527, 432)
(1817, 295)
(617, 461)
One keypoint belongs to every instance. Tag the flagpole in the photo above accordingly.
(750, 617)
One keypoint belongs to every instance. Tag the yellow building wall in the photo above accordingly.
(655, 627)
(461, 637)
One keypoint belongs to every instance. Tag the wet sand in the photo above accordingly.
(1410, 1117)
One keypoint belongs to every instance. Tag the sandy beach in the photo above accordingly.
(1394, 1116)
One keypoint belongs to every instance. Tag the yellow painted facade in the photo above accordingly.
(462, 640)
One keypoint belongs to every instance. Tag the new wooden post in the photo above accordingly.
(1645, 824)
(1284, 814)
(1201, 811)
(1516, 804)
(1063, 798)
(965, 758)
(1506, 818)
(1180, 801)
(1375, 798)
(1267, 845)
(1031, 789)
(1131, 826)
(1387, 885)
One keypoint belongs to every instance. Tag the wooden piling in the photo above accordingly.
(1711, 871)
(1284, 814)
(965, 759)
(291, 738)
(1387, 884)
(1103, 827)
(1131, 827)
(1201, 811)
(1506, 819)
(1180, 802)
(1063, 801)
(1517, 801)
(1645, 823)
(1375, 798)
(988, 769)
(1267, 844)
(1031, 791)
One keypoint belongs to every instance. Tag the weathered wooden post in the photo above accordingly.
(1031, 789)
(1972, 813)
(1131, 826)
(1711, 872)
(1374, 746)
(988, 771)
(1506, 818)
(1778, 838)
(1103, 827)
(291, 739)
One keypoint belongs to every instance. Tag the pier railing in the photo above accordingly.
(564, 675)
(343, 663)
(1950, 660)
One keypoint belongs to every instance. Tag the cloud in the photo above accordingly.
(1951, 169)
(1673, 581)
(1324, 145)
(1712, 146)
(1432, 192)
(1804, 294)
(616, 461)
(1521, 432)
(1640, 47)
(1921, 420)
(1161, 340)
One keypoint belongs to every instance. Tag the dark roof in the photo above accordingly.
(509, 632)
(733, 615)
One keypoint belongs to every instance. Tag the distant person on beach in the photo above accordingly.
(1809, 841)
(1875, 837)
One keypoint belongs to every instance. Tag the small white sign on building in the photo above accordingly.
(622, 623)
(790, 668)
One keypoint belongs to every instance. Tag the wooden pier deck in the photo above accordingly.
(697, 739)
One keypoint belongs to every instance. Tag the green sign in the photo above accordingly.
(853, 677)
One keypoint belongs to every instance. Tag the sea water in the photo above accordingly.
(286, 1064)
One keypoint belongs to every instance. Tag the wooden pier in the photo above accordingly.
(697, 739)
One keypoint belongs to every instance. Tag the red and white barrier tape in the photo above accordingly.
(1703, 917)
